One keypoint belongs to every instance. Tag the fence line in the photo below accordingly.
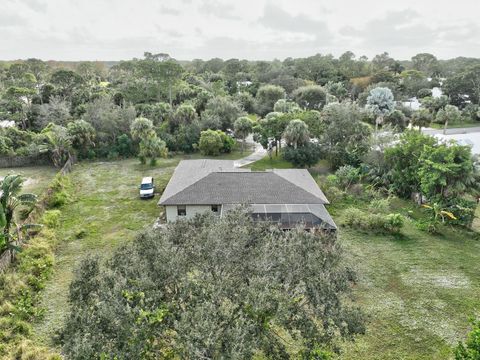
(22, 161)
(8, 255)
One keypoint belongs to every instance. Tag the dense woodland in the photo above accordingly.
(350, 113)
(90, 107)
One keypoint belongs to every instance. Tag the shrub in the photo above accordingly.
(394, 222)
(358, 219)
(59, 192)
(51, 218)
(58, 199)
(306, 155)
(470, 350)
(347, 175)
(379, 206)
(334, 194)
(211, 142)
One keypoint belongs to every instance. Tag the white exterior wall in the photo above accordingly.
(192, 210)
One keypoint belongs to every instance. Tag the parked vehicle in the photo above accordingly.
(147, 188)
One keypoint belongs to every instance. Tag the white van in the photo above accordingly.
(147, 188)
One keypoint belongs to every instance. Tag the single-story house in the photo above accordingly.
(284, 196)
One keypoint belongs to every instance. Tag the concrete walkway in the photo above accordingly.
(258, 154)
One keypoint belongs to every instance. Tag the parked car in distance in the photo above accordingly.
(147, 188)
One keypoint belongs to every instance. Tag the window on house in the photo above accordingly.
(215, 208)
(181, 210)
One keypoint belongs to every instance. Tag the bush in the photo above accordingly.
(59, 192)
(379, 206)
(51, 218)
(211, 142)
(361, 220)
(334, 194)
(394, 222)
(347, 175)
(302, 156)
(470, 350)
(58, 199)
(20, 298)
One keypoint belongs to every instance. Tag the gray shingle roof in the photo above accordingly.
(205, 182)
(242, 188)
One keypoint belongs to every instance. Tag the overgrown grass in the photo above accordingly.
(21, 285)
(419, 289)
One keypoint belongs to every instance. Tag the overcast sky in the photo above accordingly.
(251, 29)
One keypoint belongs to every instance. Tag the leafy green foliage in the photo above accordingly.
(345, 139)
(296, 133)
(212, 287)
(303, 156)
(311, 97)
(20, 288)
(470, 350)
(213, 142)
(267, 96)
(10, 202)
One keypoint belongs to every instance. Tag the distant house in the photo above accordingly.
(7, 124)
(287, 197)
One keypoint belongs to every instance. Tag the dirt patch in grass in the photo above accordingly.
(37, 178)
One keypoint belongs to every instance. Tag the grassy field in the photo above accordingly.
(104, 212)
(37, 178)
(418, 290)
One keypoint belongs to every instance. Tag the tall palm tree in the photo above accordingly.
(10, 200)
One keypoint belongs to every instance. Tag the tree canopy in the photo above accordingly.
(213, 287)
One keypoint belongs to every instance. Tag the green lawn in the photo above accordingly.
(37, 178)
(275, 163)
(105, 211)
(417, 289)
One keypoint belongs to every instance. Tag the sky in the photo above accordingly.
(244, 29)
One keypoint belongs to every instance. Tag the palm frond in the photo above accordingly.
(449, 214)
(27, 199)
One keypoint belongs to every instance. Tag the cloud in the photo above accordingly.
(169, 11)
(218, 9)
(11, 20)
(278, 19)
(395, 29)
(407, 31)
(35, 5)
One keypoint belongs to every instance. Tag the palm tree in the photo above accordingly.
(296, 133)
(10, 200)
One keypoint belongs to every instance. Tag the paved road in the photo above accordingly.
(465, 136)
(258, 154)
(452, 131)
